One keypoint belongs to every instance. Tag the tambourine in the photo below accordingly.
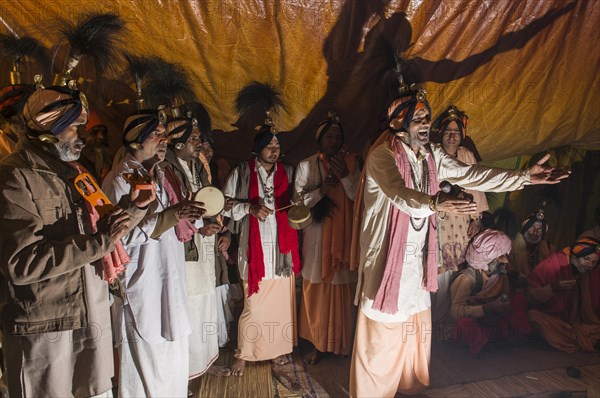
(299, 217)
(88, 188)
(213, 199)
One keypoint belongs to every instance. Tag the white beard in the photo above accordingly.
(65, 152)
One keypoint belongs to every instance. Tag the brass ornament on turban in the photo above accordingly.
(256, 102)
(539, 216)
(19, 50)
(451, 114)
(411, 98)
(325, 125)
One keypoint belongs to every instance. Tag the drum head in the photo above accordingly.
(299, 217)
(213, 200)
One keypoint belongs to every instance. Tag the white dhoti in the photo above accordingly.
(202, 307)
(153, 369)
(224, 313)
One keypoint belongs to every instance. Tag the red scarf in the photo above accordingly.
(184, 229)
(114, 262)
(287, 237)
(386, 299)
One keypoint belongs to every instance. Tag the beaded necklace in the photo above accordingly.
(269, 195)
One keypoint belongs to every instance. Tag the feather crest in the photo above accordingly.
(167, 84)
(95, 36)
(18, 48)
(258, 97)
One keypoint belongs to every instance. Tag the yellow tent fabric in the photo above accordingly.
(526, 72)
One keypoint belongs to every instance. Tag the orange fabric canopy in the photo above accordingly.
(525, 72)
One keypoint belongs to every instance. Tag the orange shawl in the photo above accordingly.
(337, 228)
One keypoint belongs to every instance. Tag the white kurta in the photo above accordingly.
(307, 187)
(413, 298)
(267, 228)
(267, 325)
(154, 305)
(201, 296)
(384, 187)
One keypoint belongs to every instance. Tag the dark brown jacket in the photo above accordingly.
(45, 241)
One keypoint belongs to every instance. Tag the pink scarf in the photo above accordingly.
(114, 262)
(184, 229)
(386, 299)
(287, 237)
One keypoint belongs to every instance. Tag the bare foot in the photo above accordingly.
(218, 370)
(237, 367)
(281, 360)
(313, 357)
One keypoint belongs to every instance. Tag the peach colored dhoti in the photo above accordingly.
(391, 357)
(267, 326)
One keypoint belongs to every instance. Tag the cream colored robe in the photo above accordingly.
(384, 187)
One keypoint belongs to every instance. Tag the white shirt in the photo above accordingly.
(384, 187)
(267, 228)
(412, 298)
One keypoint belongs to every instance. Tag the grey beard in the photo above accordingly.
(496, 267)
(532, 239)
(64, 150)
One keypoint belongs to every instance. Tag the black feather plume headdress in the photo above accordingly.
(257, 104)
(168, 88)
(394, 81)
(385, 69)
(168, 85)
(140, 67)
(96, 37)
(19, 49)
